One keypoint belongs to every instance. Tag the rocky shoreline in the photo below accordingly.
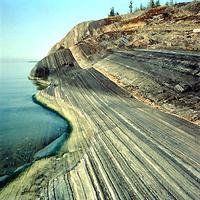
(119, 147)
(107, 123)
(50, 150)
(167, 49)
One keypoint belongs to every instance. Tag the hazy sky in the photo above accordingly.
(29, 28)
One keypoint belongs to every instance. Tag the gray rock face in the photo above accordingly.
(159, 76)
(42, 72)
(47, 66)
(119, 148)
(182, 88)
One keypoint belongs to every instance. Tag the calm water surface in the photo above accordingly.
(25, 127)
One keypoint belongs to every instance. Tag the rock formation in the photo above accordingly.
(119, 147)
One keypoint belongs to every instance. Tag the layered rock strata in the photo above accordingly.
(119, 147)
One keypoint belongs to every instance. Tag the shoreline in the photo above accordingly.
(47, 151)
(45, 105)
(119, 146)
(103, 143)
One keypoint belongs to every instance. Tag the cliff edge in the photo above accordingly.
(158, 50)
(101, 77)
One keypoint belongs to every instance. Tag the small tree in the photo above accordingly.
(157, 3)
(112, 11)
(151, 4)
(171, 2)
(136, 9)
(131, 6)
(141, 7)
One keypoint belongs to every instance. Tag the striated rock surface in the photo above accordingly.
(119, 147)
(169, 80)
(172, 28)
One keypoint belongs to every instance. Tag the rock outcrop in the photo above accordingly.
(119, 147)
(164, 79)
(163, 27)
(175, 75)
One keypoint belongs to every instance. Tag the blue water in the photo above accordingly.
(25, 127)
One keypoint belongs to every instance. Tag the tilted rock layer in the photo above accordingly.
(119, 147)
(168, 80)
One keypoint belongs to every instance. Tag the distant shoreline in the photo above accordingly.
(11, 60)
(32, 61)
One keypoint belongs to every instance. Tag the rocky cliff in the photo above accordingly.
(167, 80)
(174, 27)
(120, 147)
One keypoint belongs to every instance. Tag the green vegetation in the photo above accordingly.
(112, 12)
(131, 6)
(157, 3)
(150, 4)
(142, 7)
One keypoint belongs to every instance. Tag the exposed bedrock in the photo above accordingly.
(119, 147)
(48, 65)
(168, 79)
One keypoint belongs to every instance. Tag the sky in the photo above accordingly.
(29, 28)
